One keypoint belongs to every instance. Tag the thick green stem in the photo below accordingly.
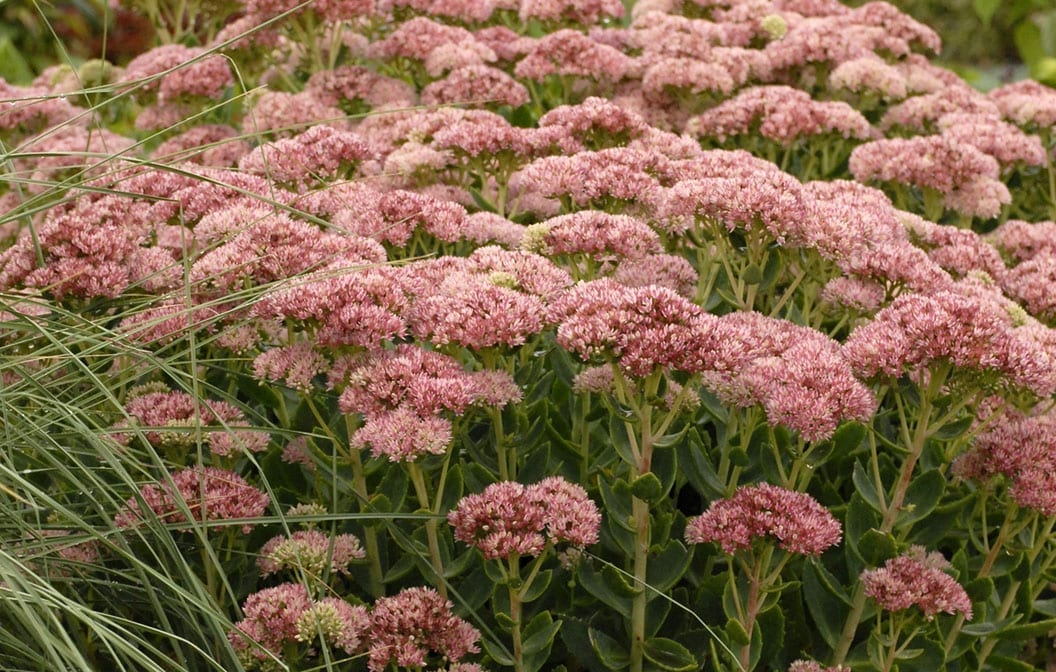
(514, 575)
(640, 510)
(432, 528)
(894, 507)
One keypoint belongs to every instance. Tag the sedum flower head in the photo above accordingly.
(798, 522)
(509, 518)
(408, 627)
(916, 578)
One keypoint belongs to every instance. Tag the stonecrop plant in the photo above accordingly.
(527, 335)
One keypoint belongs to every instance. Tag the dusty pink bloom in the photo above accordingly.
(176, 418)
(1032, 283)
(532, 273)
(895, 264)
(864, 296)
(869, 75)
(916, 578)
(981, 196)
(617, 174)
(475, 311)
(210, 145)
(403, 435)
(507, 44)
(395, 215)
(969, 332)
(270, 620)
(407, 627)
(1026, 103)
(53, 552)
(417, 38)
(808, 388)
(424, 380)
(87, 247)
(597, 234)
(686, 76)
(314, 551)
(480, 84)
(770, 202)
(455, 55)
(781, 114)
(146, 70)
(462, 11)
(488, 227)
(593, 124)
(328, 10)
(317, 155)
(666, 34)
(959, 251)
(346, 306)
(641, 328)
(571, 53)
(935, 161)
(348, 84)
(814, 666)
(29, 110)
(206, 493)
(664, 270)
(999, 139)
(167, 321)
(798, 522)
(207, 77)
(1021, 449)
(509, 518)
(595, 379)
(565, 11)
(797, 374)
(503, 520)
(296, 451)
(285, 114)
(295, 365)
(922, 113)
(1021, 240)
(204, 190)
(482, 135)
(833, 40)
(272, 247)
(571, 517)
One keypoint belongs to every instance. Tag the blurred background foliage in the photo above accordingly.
(986, 41)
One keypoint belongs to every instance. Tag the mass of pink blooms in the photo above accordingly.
(672, 283)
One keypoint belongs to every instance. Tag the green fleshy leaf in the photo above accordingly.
(865, 486)
(610, 652)
(538, 634)
(826, 601)
(669, 655)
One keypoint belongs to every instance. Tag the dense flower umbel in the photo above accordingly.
(642, 328)
(916, 578)
(1022, 449)
(416, 622)
(509, 518)
(177, 418)
(798, 522)
(970, 332)
(206, 493)
(285, 615)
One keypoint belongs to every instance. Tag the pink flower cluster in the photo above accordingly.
(205, 493)
(416, 622)
(287, 615)
(970, 332)
(781, 114)
(795, 519)
(509, 518)
(916, 578)
(1022, 449)
(177, 418)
